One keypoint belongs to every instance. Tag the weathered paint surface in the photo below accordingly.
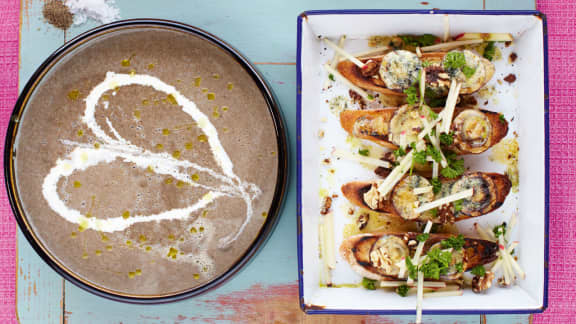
(266, 290)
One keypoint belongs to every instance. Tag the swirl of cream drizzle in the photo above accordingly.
(116, 147)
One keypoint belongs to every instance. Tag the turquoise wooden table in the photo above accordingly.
(266, 290)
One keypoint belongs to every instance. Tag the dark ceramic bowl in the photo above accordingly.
(93, 194)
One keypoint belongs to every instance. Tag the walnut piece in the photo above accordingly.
(480, 284)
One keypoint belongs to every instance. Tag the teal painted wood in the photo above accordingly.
(267, 35)
(39, 289)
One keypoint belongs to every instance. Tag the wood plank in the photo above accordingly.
(39, 289)
(509, 319)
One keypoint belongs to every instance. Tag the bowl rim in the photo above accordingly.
(279, 191)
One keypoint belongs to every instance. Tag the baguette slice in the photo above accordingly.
(495, 188)
(356, 251)
(377, 127)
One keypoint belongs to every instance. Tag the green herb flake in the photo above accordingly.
(422, 237)
(447, 139)
(425, 64)
(455, 242)
(331, 77)
(434, 212)
(412, 269)
(402, 290)
(502, 118)
(369, 284)
(399, 152)
(434, 153)
(457, 205)
(370, 97)
(468, 71)
(436, 185)
(454, 61)
(455, 166)
(411, 95)
(499, 230)
(459, 267)
(419, 157)
(432, 114)
(478, 271)
(437, 264)
(419, 40)
(364, 152)
(489, 51)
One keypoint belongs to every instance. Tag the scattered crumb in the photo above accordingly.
(510, 78)
(326, 204)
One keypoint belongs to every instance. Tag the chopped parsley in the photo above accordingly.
(502, 119)
(399, 152)
(434, 212)
(370, 97)
(455, 166)
(457, 205)
(455, 242)
(454, 61)
(411, 95)
(419, 40)
(419, 157)
(499, 230)
(369, 284)
(447, 139)
(364, 152)
(425, 64)
(434, 98)
(437, 263)
(412, 269)
(432, 114)
(434, 153)
(422, 237)
(331, 77)
(478, 271)
(459, 267)
(436, 185)
(489, 51)
(468, 71)
(402, 290)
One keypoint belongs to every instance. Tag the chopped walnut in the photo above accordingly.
(372, 197)
(370, 68)
(357, 98)
(326, 204)
(350, 211)
(480, 284)
(362, 221)
(412, 242)
(502, 282)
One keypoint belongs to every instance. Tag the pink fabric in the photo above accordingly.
(9, 32)
(562, 46)
(561, 17)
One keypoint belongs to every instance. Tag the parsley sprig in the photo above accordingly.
(454, 242)
(479, 271)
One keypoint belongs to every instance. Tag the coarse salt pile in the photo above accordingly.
(103, 11)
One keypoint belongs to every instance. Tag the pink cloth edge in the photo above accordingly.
(561, 21)
(9, 48)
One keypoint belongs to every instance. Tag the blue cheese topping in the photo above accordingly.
(405, 125)
(399, 69)
(474, 81)
(404, 199)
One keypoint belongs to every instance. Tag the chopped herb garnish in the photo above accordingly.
(455, 242)
(399, 152)
(447, 139)
(455, 166)
(459, 267)
(370, 97)
(478, 271)
(419, 157)
(499, 230)
(364, 152)
(437, 263)
(411, 95)
(468, 71)
(502, 119)
(369, 284)
(413, 145)
(412, 269)
(489, 51)
(418, 40)
(331, 77)
(425, 64)
(436, 185)
(431, 113)
(402, 290)
(434, 153)
(454, 61)
(457, 205)
(422, 237)
(434, 212)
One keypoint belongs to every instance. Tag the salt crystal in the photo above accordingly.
(103, 11)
